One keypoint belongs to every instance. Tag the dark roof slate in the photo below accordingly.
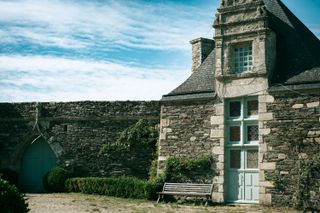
(309, 76)
(298, 49)
(200, 81)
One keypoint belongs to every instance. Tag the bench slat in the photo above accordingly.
(186, 189)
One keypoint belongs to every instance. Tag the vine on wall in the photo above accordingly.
(308, 168)
(196, 170)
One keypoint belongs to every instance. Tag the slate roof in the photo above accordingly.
(297, 61)
(298, 49)
(199, 85)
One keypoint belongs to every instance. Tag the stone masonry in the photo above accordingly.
(76, 131)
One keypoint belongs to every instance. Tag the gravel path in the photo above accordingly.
(80, 203)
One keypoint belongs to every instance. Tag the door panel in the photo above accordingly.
(236, 191)
(37, 160)
(252, 186)
(243, 184)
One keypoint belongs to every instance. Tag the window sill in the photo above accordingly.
(249, 74)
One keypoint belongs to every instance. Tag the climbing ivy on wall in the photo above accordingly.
(134, 148)
(196, 170)
(309, 172)
(141, 133)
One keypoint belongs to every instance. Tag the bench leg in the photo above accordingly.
(158, 198)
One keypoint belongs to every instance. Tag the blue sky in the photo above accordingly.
(70, 50)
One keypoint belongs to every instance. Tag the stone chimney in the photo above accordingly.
(201, 48)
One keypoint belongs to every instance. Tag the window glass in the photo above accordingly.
(235, 109)
(242, 59)
(235, 159)
(252, 159)
(253, 133)
(234, 133)
(252, 107)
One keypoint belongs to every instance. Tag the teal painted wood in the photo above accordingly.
(243, 182)
(37, 160)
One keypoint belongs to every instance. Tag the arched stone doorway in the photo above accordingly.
(36, 161)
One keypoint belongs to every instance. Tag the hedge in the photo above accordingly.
(126, 187)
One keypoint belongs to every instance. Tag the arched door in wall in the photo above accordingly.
(37, 160)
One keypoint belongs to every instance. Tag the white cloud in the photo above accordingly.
(122, 23)
(60, 79)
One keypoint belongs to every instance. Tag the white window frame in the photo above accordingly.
(243, 121)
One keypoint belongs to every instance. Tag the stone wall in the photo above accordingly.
(293, 136)
(186, 131)
(76, 131)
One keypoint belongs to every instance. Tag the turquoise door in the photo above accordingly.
(243, 175)
(37, 160)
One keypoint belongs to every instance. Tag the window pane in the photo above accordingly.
(235, 109)
(242, 56)
(252, 159)
(235, 159)
(252, 107)
(234, 133)
(253, 133)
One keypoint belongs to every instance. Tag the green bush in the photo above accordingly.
(126, 187)
(11, 201)
(197, 170)
(9, 175)
(54, 180)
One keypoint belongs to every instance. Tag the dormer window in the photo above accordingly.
(242, 55)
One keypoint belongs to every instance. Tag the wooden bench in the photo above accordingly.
(186, 189)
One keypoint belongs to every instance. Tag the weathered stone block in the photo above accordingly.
(262, 107)
(219, 109)
(297, 106)
(265, 199)
(282, 156)
(266, 99)
(218, 150)
(313, 104)
(266, 184)
(216, 120)
(268, 166)
(265, 131)
(266, 116)
(217, 197)
(217, 133)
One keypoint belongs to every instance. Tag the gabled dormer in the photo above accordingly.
(245, 48)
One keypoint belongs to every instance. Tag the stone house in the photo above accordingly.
(252, 102)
